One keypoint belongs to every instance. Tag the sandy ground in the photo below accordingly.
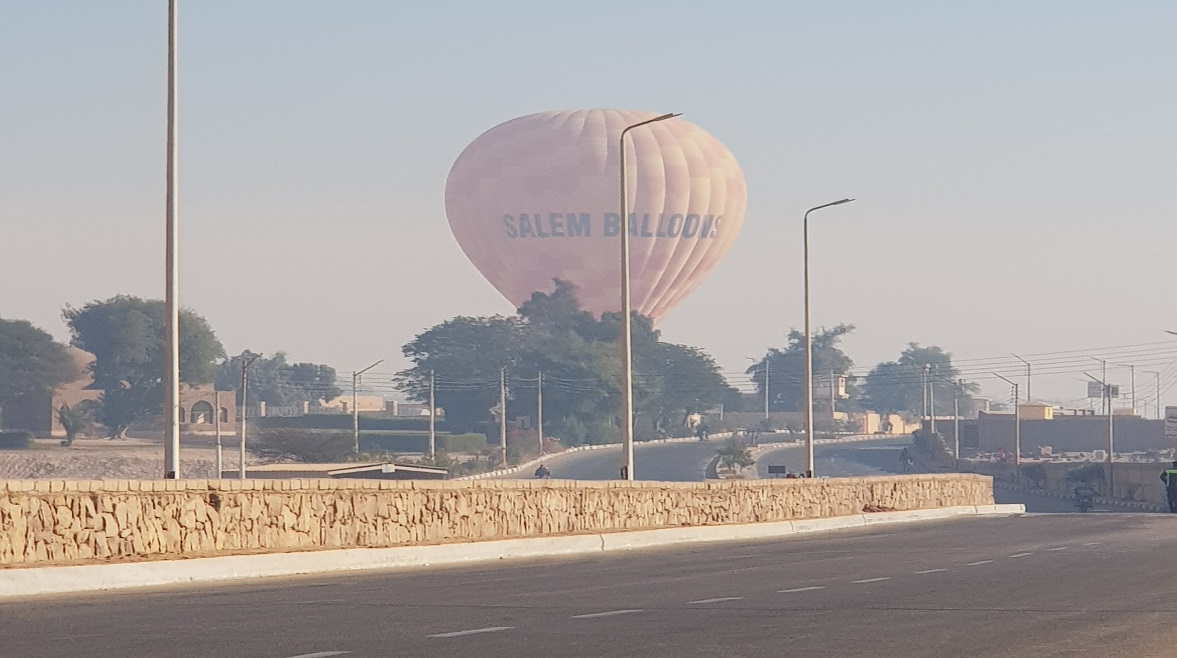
(94, 459)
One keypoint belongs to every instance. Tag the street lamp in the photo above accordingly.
(809, 339)
(1017, 428)
(626, 347)
(171, 321)
(1028, 398)
(1107, 396)
(766, 362)
(355, 408)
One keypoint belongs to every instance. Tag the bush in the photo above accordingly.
(16, 440)
(1089, 473)
(313, 446)
(398, 441)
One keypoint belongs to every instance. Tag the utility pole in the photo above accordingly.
(355, 408)
(924, 388)
(1157, 374)
(539, 411)
(503, 413)
(1017, 429)
(832, 397)
(432, 417)
(1132, 370)
(220, 457)
(247, 360)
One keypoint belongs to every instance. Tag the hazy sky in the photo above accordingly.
(1014, 164)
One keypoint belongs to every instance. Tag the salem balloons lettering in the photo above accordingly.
(538, 198)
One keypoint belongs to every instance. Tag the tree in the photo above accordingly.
(786, 367)
(734, 455)
(276, 382)
(30, 361)
(125, 335)
(898, 386)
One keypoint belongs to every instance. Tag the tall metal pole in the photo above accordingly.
(355, 407)
(956, 421)
(242, 412)
(924, 389)
(767, 362)
(1157, 374)
(539, 411)
(1017, 427)
(171, 323)
(503, 413)
(1111, 459)
(809, 465)
(220, 461)
(432, 416)
(626, 419)
(831, 397)
(1029, 398)
(932, 398)
(1132, 382)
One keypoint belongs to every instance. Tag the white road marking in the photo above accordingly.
(321, 654)
(474, 631)
(978, 563)
(1092, 543)
(611, 613)
(932, 570)
(870, 580)
(798, 589)
(719, 600)
(1057, 548)
(1020, 555)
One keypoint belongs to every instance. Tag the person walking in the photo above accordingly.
(1169, 477)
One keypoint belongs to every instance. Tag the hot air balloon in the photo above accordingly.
(536, 199)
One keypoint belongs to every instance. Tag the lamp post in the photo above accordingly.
(247, 360)
(1107, 396)
(626, 419)
(1017, 428)
(766, 362)
(355, 409)
(809, 338)
(171, 322)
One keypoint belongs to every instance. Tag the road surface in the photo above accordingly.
(1018, 587)
(666, 462)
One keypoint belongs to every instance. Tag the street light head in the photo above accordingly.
(668, 115)
(838, 203)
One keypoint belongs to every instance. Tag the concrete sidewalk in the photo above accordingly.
(54, 580)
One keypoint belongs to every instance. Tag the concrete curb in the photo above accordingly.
(1099, 500)
(16, 582)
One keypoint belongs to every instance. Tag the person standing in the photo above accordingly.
(1169, 477)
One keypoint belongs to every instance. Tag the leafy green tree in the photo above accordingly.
(734, 455)
(30, 361)
(786, 367)
(276, 382)
(578, 356)
(898, 386)
(125, 335)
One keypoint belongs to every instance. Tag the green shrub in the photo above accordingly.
(16, 440)
(313, 446)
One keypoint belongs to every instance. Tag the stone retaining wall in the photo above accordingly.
(64, 522)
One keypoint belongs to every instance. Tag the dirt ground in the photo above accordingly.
(133, 458)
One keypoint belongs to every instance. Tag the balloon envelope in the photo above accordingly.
(538, 198)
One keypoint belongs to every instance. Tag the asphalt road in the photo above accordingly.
(665, 462)
(1033, 586)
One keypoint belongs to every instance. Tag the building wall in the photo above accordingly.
(1071, 433)
(44, 522)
